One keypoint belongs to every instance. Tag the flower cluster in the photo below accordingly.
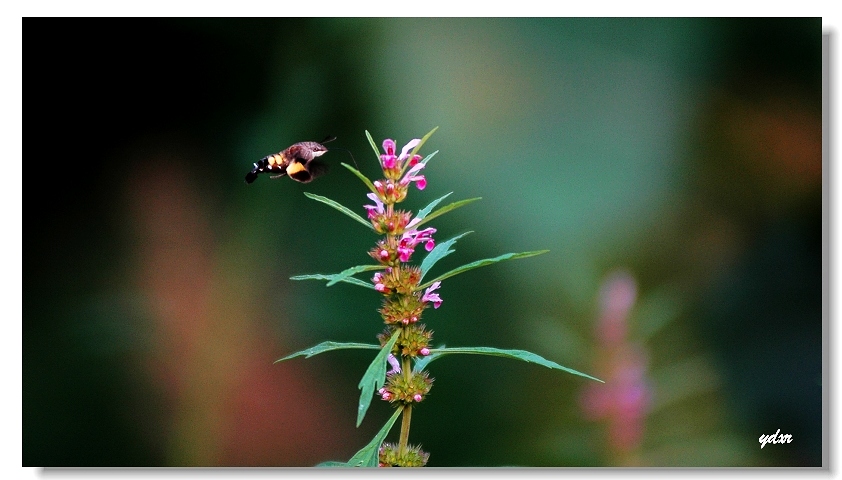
(404, 301)
(412, 456)
(406, 389)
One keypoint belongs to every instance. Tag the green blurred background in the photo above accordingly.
(683, 153)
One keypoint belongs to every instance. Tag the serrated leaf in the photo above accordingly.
(429, 208)
(440, 251)
(369, 455)
(481, 263)
(330, 277)
(515, 354)
(340, 207)
(360, 176)
(345, 274)
(445, 209)
(374, 378)
(327, 347)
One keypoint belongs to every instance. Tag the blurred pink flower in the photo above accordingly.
(624, 400)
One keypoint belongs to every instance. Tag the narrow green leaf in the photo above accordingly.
(340, 207)
(343, 275)
(369, 455)
(361, 177)
(327, 347)
(447, 208)
(440, 251)
(422, 362)
(428, 157)
(481, 263)
(374, 378)
(373, 145)
(429, 208)
(423, 140)
(515, 354)
(331, 277)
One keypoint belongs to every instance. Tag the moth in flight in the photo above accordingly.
(299, 162)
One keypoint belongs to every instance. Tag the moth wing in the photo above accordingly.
(305, 173)
(317, 168)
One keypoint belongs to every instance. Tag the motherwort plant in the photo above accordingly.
(398, 372)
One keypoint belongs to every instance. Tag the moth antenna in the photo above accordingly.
(349, 153)
(331, 138)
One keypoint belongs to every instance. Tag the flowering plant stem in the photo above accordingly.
(404, 439)
(406, 344)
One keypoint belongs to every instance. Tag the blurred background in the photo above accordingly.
(671, 166)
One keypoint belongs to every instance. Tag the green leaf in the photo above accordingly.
(429, 208)
(422, 362)
(374, 377)
(373, 145)
(440, 251)
(428, 157)
(327, 347)
(515, 354)
(343, 275)
(340, 207)
(369, 455)
(361, 177)
(423, 140)
(481, 263)
(445, 209)
(333, 464)
(331, 277)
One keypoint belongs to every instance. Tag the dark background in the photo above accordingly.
(156, 291)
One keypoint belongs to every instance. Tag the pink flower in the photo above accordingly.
(376, 209)
(389, 160)
(410, 176)
(396, 366)
(379, 282)
(406, 148)
(411, 238)
(429, 296)
(618, 295)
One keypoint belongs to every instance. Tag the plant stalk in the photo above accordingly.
(407, 409)
(407, 417)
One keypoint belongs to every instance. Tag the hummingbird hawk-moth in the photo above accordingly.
(298, 162)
